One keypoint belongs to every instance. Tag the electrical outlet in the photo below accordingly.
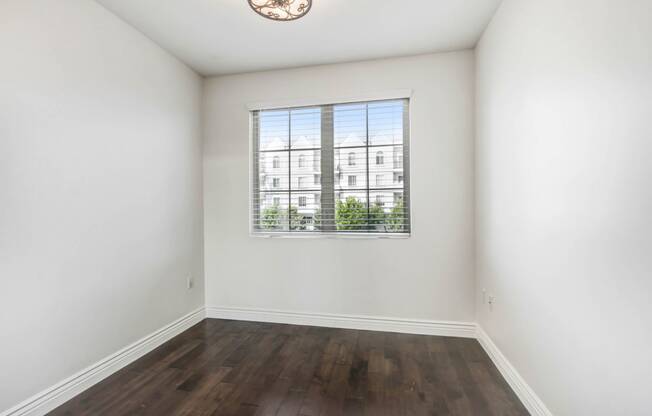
(190, 282)
(491, 299)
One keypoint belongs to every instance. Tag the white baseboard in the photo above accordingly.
(53, 397)
(528, 397)
(369, 323)
(65, 390)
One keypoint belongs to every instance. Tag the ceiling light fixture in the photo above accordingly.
(282, 10)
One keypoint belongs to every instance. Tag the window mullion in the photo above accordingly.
(327, 170)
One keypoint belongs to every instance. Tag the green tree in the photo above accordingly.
(317, 220)
(271, 218)
(376, 216)
(396, 217)
(296, 220)
(351, 215)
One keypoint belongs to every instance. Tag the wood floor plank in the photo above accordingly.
(236, 368)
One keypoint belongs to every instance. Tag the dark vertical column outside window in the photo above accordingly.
(366, 110)
(289, 213)
(255, 197)
(327, 170)
(407, 224)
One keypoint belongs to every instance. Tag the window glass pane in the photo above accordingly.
(350, 168)
(351, 211)
(273, 211)
(274, 130)
(306, 211)
(350, 125)
(387, 212)
(273, 171)
(306, 128)
(306, 164)
(390, 173)
(385, 122)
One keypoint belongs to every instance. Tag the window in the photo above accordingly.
(316, 161)
(398, 161)
(347, 188)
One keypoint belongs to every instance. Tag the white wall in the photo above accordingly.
(428, 276)
(100, 190)
(564, 201)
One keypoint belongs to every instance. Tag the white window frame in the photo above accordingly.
(293, 103)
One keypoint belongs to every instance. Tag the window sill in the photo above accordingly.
(353, 236)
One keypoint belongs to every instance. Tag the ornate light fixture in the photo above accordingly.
(282, 10)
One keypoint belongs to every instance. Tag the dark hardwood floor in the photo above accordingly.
(227, 368)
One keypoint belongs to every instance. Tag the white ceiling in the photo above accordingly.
(226, 36)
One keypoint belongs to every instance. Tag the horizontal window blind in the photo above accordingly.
(332, 169)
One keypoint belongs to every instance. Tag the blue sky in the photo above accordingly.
(385, 125)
